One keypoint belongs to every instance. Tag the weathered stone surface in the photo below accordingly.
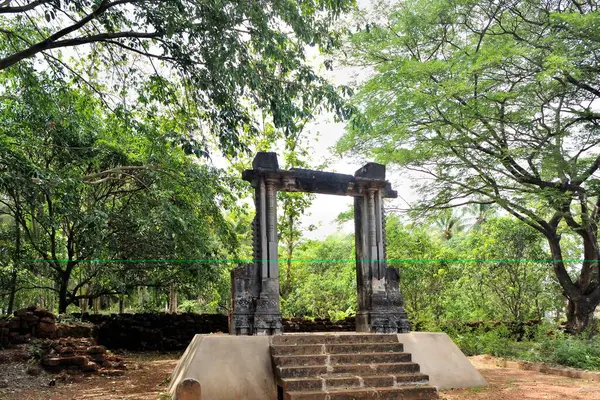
(96, 350)
(46, 328)
(188, 389)
(33, 370)
(266, 160)
(76, 355)
(255, 287)
(240, 367)
(152, 331)
(90, 367)
(439, 358)
(376, 368)
(79, 361)
(51, 361)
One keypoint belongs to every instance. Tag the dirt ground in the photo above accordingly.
(148, 376)
(513, 384)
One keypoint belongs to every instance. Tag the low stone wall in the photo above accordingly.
(160, 331)
(152, 331)
(139, 332)
(292, 325)
(27, 323)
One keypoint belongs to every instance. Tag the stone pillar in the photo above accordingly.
(380, 305)
(267, 319)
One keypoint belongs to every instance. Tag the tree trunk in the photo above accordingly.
(121, 304)
(583, 296)
(13, 291)
(173, 298)
(16, 258)
(62, 293)
(580, 312)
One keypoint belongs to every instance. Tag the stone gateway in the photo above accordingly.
(255, 287)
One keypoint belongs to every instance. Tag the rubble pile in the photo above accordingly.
(79, 355)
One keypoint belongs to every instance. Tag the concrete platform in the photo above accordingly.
(240, 367)
(441, 359)
(228, 367)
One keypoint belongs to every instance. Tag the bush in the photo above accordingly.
(543, 344)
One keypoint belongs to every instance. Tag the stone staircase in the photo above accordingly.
(346, 366)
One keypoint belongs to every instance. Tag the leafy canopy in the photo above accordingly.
(210, 62)
(492, 102)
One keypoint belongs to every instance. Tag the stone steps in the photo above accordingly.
(350, 358)
(380, 393)
(346, 366)
(315, 349)
(297, 339)
(341, 382)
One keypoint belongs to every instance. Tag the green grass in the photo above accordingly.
(545, 345)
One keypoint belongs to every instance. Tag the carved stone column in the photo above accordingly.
(255, 287)
(380, 308)
(267, 319)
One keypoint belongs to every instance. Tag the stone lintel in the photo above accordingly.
(311, 181)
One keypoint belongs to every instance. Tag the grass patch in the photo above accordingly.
(543, 345)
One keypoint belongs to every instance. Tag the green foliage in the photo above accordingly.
(323, 289)
(546, 345)
(83, 184)
(491, 102)
(212, 64)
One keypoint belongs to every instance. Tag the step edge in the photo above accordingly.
(342, 354)
(369, 389)
(311, 378)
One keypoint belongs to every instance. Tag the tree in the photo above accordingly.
(493, 102)
(508, 267)
(321, 288)
(449, 223)
(211, 62)
(82, 184)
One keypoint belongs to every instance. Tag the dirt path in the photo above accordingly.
(148, 377)
(513, 384)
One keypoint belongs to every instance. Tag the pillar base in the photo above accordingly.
(382, 322)
(267, 324)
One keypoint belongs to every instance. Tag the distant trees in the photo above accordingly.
(490, 272)
(493, 102)
(322, 287)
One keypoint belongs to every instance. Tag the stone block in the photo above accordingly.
(46, 328)
(188, 389)
(372, 171)
(51, 361)
(96, 350)
(78, 361)
(265, 160)
(90, 367)
(441, 359)
(240, 367)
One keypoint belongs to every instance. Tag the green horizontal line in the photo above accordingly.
(390, 261)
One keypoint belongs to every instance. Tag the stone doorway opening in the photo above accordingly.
(255, 286)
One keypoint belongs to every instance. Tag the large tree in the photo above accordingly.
(210, 61)
(493, 102)
(83, 184)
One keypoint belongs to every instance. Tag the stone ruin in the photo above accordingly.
(255, 286)
(59, 347)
